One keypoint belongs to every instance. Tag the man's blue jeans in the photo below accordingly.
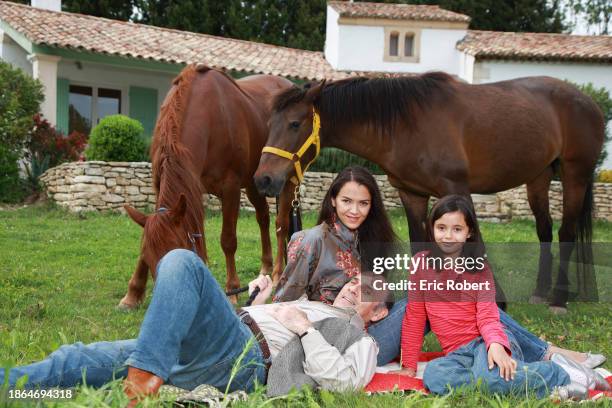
(190, 336)
(468, 364)
(388, 333)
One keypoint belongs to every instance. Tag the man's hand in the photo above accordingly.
(507, 365)
(264, 283)
(294, 319)
(410, 372)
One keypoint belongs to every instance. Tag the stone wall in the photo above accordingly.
(100, 186)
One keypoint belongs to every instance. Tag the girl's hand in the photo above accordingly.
(506, 364)
(410, 372)
(264, 283)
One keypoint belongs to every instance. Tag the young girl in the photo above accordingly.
(457, 296)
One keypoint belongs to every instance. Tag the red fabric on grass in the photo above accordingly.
(385, 382)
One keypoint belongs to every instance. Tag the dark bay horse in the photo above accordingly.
(434, 136)
(208, 139)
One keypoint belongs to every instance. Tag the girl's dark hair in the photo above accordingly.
(474, 246)
(377, 227)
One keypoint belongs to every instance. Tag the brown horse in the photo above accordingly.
(208, 139)
(434, 136)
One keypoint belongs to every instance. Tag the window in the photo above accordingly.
(401, 44)
(87, 105)
(109, 102)
(393, 44)
(79, 109)
(409, 45)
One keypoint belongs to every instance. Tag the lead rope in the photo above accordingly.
(295, 219)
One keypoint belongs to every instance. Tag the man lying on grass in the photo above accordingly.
(191, 335)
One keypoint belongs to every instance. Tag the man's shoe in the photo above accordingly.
(572, 391)
(140, 383)
(580, 374)
(594, 360)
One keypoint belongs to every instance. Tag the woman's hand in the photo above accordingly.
(410, 372)
(264, 283)
(507, 365)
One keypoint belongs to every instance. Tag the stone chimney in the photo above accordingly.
(54, 5)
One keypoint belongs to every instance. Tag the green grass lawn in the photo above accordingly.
(61, 276)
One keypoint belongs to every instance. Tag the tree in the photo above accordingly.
(505, 15)
(115, 9)
(596, 13)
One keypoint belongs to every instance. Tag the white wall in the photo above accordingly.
(600, 75)
(361, 48)
(107, 76)
(332, 31)
(466, 67)
(12, 53)
(55, 5)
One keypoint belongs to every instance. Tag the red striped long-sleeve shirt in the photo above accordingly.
(455, 316)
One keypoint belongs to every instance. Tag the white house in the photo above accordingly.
(92, 67)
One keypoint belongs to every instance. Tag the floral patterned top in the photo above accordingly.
(320, 261)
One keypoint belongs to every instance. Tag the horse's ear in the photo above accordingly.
(314, 91)
(178, 212)
(138, 217)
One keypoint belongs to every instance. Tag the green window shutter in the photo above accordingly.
(63, 87)
(143, 107)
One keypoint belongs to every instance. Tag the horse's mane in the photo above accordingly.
(380, 102)
(173, 174)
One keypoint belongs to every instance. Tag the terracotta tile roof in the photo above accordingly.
(537, 46)
(396, 11)
(86, 33)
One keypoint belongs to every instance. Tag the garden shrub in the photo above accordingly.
(20, 99)
(47, 147)
(333, 160)
(605, 176)
(117, 138)
(11, 186)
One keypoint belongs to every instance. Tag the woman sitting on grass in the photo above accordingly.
(460, 307)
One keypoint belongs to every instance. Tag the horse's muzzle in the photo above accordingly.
(268, 185)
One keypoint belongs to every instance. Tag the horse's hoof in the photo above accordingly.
(127, 306)
(558, 310)
(537, 300)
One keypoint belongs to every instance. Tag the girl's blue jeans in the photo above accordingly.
(469, 364)
(190, 336)
(388, 333)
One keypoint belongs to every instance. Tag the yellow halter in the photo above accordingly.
(313, 139)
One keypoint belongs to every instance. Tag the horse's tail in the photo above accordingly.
(166, 136)
(587, 283)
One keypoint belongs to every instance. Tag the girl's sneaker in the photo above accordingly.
(594, 360)
(572, 391)
(580, 374)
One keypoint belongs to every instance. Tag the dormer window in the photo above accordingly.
(401, 44)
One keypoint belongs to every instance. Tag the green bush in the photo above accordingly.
(20, 98)
(11, 186)
(601, 96)
(117, 138)
(333, 160)
(605, 176)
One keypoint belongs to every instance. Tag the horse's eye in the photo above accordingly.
(294, 124)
